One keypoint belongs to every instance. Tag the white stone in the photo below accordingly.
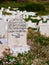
(19, 36)
(30, 24)
(44, 28)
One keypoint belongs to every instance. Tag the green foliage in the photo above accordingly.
(21, 59)
(40, 47)
(33, 7)
(33, 20)
(42, 40)
(42, 13)
(41, 8)
(47, 62)
(9, 58)
(39, 39)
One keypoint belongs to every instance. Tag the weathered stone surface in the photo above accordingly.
(17, 33)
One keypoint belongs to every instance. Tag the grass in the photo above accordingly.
(36, 37)
(40, 44)
(38, 54)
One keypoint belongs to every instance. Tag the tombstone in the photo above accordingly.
(31, 24)
(44, 28)
(3, 39)
(2, 9)
(2, 27)
(17, 33)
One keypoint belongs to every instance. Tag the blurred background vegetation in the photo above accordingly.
(42, 7)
